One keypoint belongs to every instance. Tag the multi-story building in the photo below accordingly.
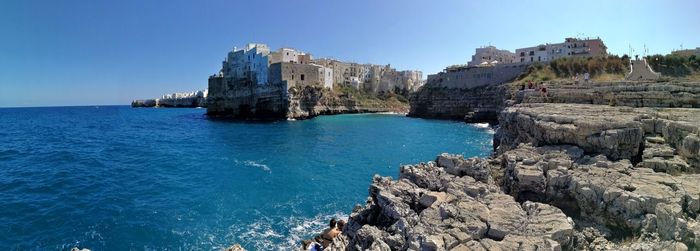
(491, 55)
(371, 77)
(294, 74)
(571, 47)
(249, 63)
(533, 54)
(289, 55)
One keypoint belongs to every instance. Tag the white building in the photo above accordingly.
(533, 54)
(491, 55)
(571, 47)
(250, 63)
(325, 76)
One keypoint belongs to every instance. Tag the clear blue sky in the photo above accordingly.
(110, 52)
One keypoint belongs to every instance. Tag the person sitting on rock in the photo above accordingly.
(328, 234)
(337, 230)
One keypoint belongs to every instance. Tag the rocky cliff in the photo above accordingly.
(479, 104)
(311, 101)
(241, 100)
(186, 99)
(483, 104)
(565, 177)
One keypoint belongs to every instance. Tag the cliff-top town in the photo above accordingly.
(278, 71)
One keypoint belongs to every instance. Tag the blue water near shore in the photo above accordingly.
(117, 178)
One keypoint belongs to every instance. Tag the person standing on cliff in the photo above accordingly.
(586, 77)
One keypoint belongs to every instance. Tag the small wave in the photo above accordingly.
(392, 113)
(267, 234)
(8, 154)
(481, 125)
(291, 119)
(489, 129)
(252, 163)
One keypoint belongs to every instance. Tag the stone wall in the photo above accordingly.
(470, 77)
(295, 74)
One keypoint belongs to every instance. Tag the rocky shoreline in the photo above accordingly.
(572, 171)
(563, 177)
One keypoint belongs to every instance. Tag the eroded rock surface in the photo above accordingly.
(637, 202)
(565, 177)
(429, 208)
(671, 135)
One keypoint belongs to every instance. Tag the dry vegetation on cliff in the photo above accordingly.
(600, 68)
(395, 101)
(687, 67)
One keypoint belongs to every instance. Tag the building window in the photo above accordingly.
(302, 77)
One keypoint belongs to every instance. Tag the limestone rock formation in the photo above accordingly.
(235, 247)
(637, 202)
(660, 138)
(633, 94)
(430, 208)
(312, 101)
(480, 104)
(564, 177)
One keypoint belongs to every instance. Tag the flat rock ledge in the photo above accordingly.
(663, 139)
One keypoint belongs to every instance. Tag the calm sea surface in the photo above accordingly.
(117, 178)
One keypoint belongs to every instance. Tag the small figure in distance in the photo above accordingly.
(544, 91)
(530, 85)
(586, 77)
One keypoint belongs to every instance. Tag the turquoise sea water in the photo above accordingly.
(117, 178)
